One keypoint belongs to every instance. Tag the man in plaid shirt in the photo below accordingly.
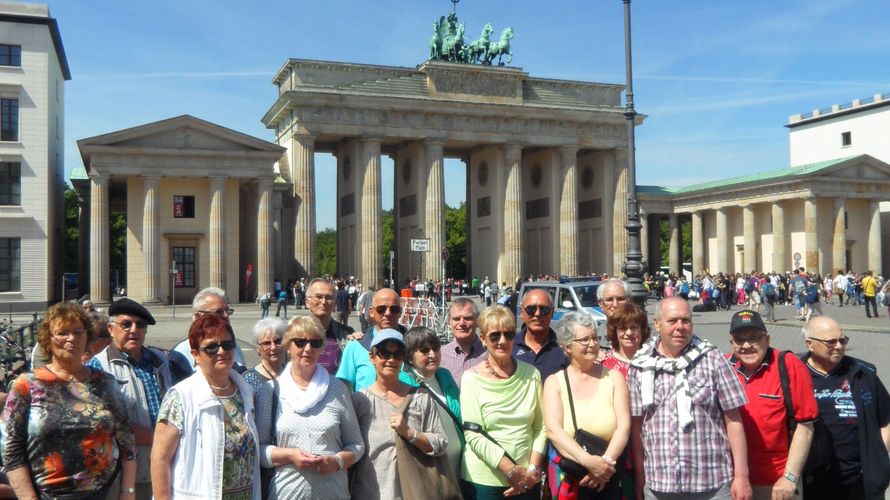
(686, 428)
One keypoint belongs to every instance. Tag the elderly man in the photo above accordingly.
(775, 456)
(143, 374)
(466, 350)
(854, 419)
(355, 367)
(611, 294)
(320, 303)
(685, 402)
(536, 342)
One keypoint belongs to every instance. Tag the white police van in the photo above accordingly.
(569, 295)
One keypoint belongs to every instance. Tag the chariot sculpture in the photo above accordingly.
(447, 44)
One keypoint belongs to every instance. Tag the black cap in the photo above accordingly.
(131, 308)
(746, 318)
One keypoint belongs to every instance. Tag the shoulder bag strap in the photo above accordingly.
(439, 402)
(565, 373)
(406, 401)
(275, 395)
(784, 381)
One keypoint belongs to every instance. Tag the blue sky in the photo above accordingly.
(718, 79)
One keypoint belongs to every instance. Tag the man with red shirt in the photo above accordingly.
(774, 464)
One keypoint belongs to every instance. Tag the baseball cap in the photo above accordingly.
(746, 318)
(381, 336)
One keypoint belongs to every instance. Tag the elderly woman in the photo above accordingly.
(422, 369)
(65, 430)
(377, 407)
(267, 334)
(626, 330)
(308, 429)
(585, 395)
(205, 442)
(503, 396)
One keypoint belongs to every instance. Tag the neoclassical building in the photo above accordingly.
(546, 166)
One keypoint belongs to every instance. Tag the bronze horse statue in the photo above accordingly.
(499, 49)
(477, 48)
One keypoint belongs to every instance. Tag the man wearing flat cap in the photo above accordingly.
(143, 374)
(781, 409)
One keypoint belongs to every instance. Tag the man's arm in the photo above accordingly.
(735, 433)
(636, 441)
(797, 457)
(885, 435)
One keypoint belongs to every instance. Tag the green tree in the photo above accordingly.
(118, 246)
(326, 246)
(456, 240)
(72, 231)
(389, 238)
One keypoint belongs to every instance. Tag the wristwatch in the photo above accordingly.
(789, 476)
(510, 473)
(131, 490)
(340, 464)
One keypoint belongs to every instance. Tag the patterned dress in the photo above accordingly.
(70, 434)
(240, 450)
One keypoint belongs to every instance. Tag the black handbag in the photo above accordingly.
(591, 444)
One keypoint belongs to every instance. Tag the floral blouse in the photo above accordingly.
(70, 434)
(240, 449)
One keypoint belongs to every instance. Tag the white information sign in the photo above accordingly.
(420, 244)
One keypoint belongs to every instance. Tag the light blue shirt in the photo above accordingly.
(355, 365)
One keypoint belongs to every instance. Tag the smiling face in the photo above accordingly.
(385, 309)
(584, 348)
(387, 358)
(825, 340)
(463, 322)
(613, 297)
(219, 361)
(538, 321)
(129, 340)
(749, 346)
(674, 327)
(269, 347)
(320, 299)
(426, 363)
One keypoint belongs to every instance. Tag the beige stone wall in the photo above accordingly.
(486, 231)
(348, 252)
(409, 158)
(591, 246)
(541, 233)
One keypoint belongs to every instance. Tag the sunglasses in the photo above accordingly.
(495, 337)
(222, 313)
(213, 349)
(832, 342)
(426, 350)
(398, 354)
(396, 309)
(268, 343)
(127, 324)
(315, 343)
(533, 309)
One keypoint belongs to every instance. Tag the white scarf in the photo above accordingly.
(302, 400)
(649, 364)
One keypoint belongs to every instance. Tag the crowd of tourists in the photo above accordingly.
(530, 410)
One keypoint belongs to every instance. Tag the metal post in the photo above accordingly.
(633, 264)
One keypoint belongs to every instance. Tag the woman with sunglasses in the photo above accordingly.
(377, 407)
(205, 442)
(307, 426)
(422, 360)
(586, 396)
(503, 396)
(267, 335)
(65, 429)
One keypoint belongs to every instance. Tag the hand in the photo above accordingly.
(400, 424)
(783, 489)
(355, 336)
(600, 470)
(517, 482)
(304, 460)
(328, 465)
(532, 479)
(741, 489)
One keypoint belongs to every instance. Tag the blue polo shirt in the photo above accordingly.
(549, 360)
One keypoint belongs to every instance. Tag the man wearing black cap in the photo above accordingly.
(777, 447)
(143, 374)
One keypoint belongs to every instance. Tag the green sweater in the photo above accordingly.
(510, 411)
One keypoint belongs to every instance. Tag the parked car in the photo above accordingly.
(569, 295)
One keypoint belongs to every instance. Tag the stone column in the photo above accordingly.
(722, 242)
(435, 209)
(303, 175)
(151, 239)
(839, 242)
(874, 237)
(372, 214)
(674, 244)
(568, 213)
(811, 237)
(100, 274)
(609, 221)
(83, 242)
(644, 238)
(750, 239)
(698, 242)
(511, 264)
(619, 231)
(780, 265)
(265, 278)
(278, 266)
(218, 232)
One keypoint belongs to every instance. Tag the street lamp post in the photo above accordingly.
(633, 263)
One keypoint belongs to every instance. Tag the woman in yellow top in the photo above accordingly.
(503, 396)
(601, 407)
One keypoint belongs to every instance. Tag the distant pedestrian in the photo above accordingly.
(870, 292)
(282, 303)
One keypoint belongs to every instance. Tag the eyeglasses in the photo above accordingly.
(426, 350)
(322, 298)
(64, 334)
(268, 343)
(614, 300)
(586, 341)
(395, 309)
(213, 349)
(495, 337)
(398, 354)
(127, 324)
(747, 340)
(832, 342)
(315, 343)
(222, 313)
(533, 309)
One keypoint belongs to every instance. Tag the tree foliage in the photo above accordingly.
(664, 235)
(72, 231)
(326, 246)
(456, 240)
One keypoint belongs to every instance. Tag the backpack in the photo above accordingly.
(800, 285)
(749, 285)
(812, 293)
(684, 288)
(768, 289)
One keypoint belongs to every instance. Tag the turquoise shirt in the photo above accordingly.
(355, 364)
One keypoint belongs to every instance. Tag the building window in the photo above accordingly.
(10, 264)
(10, 183)
(185, 267)
(10, 55)
(9, 119)
(183, 207)
(846, 139)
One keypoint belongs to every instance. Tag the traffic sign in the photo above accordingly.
(420, 244)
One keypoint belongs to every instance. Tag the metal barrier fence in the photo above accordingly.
(426, 312)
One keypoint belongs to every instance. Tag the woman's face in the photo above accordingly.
(215, 353)
(499, 342)
(426, 360)
(585, 346)
(304, 351)
(269, 347)
(68, 340)
(629, 337)
(387, 359)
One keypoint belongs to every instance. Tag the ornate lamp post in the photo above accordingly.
(633, 266)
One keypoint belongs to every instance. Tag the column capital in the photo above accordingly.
(434, 141)
(569, 149)
(720, 210)
(99, 177)
(303, 136)
(512, 151)
(218, 178)
(371, 140)
(152, 176)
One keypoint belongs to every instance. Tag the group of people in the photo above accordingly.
(499, 411)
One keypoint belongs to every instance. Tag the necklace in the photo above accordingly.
(228, 384)
(68, 377)
(496, 374)
(269, 372)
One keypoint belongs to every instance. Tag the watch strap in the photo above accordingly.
(789, 476)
